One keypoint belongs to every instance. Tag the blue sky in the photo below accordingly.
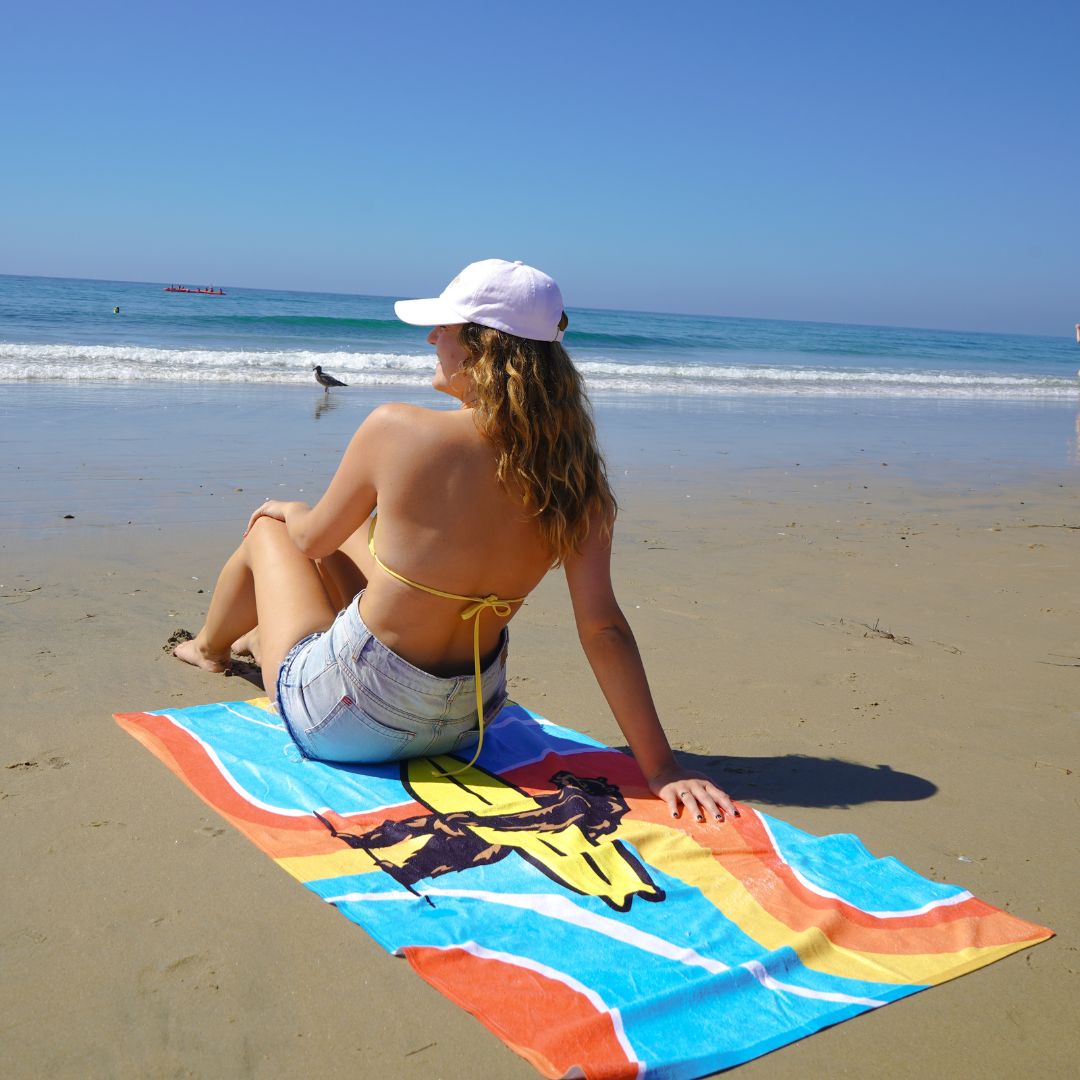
(906, 164)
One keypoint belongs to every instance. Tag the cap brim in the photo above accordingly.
(434, 312)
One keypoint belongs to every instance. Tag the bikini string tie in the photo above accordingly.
(497, 607)
(477, 605)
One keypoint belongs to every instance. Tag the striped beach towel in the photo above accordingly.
(547, 892)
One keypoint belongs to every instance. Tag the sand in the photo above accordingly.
(887, 650)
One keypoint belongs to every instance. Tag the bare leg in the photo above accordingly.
(266, 582)
(341, 579)
(248, 645)
(232, 605)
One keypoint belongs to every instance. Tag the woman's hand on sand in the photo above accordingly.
(691, 791)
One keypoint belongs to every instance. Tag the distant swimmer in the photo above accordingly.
(1078, 333)
(116, 311)
(326, 381)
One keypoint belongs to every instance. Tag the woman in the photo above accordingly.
(474, 507)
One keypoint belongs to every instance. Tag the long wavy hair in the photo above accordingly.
(531, 404)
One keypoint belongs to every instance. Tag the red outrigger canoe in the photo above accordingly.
(198, 292)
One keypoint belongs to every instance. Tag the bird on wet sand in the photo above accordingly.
(326, 381)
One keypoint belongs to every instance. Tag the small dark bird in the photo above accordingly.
(326, 381)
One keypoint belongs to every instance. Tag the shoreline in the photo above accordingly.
(884, 650)
(170, 454)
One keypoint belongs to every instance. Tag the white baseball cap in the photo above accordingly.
(507, 296)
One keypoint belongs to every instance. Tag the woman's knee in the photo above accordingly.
(266, 531)
(261, 524)
(269, 548)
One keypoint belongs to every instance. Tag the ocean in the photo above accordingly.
(64, 330)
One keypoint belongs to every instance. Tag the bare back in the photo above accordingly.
(444, 521)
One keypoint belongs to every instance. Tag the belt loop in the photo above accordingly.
(451, 695)
(359, 628)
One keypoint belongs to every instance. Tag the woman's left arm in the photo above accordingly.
(613, 654)
(321, 529)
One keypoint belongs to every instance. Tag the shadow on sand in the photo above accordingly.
(246, 670)
(802, 780)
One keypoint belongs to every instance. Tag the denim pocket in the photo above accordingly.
(395, 698)
(467, 739)
(348, 733)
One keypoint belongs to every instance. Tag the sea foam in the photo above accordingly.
(21, 362)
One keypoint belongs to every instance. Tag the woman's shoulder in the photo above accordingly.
(403, 412)
(398, 422)
(398, 416)
(397, 412)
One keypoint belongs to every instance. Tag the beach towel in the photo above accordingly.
(546, 891)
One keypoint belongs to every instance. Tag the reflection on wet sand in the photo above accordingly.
(325, 404)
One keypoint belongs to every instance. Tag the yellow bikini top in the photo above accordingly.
(477, 605)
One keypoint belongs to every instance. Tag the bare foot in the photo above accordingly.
(192, 652)
(248, 645)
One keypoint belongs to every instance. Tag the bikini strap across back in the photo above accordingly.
(476, 606)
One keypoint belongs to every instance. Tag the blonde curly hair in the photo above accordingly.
(531, 403)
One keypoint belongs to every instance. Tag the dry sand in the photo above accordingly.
(855, 652)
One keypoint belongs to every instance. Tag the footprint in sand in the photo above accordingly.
(194, 971)
(54, 762)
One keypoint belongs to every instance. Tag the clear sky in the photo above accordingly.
(901, 163)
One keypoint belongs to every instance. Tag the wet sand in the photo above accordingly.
(891, 650)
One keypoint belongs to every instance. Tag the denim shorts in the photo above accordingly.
(345, 696)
